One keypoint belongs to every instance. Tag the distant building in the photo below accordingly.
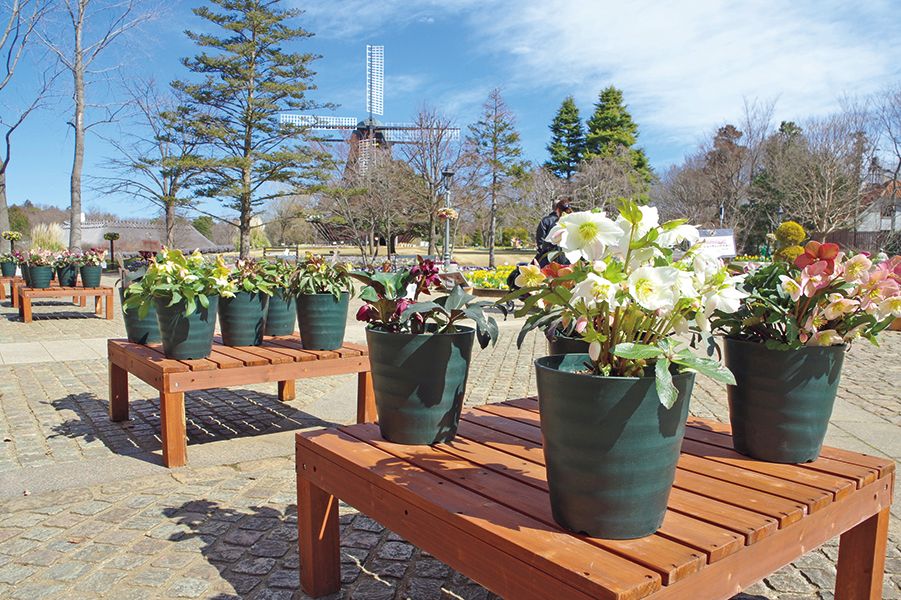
(879, 203)
(138, 235)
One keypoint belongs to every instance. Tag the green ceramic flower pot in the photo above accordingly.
(610, 447)
(186, 337)
(782, 401)
(282, 313)
(419, 383)
(90, 276)
(26, 274)
(67, 276)
(563, 344)
(8, 268)
(40, 276)
(322, 320)
(243, 318)
(138, 330)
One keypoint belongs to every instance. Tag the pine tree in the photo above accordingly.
(567, 140)
(611, 127)
(248, 78)
(494, 143)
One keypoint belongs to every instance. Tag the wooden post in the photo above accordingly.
(14, 292)
(98, 305)
(108, 303)
(174, 432)
(24, 306)
(317, 538)
(118, 393)
(366, 412)
(286, 390)
(861, 559)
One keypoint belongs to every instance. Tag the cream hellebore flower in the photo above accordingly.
(584, 235)
(857, 269)
(649, 220)
(890, 306)
(839, 306)
(679, 234)
(705, 265)
(529, 276)
(654, 288)
(594, 290)
(827, 337)
(789, 287)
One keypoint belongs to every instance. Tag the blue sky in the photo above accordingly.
(685, 68)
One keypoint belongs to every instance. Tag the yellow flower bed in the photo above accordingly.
(490, 279)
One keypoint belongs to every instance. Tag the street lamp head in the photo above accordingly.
(447, 173)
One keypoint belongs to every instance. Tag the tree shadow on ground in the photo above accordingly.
(211, 415)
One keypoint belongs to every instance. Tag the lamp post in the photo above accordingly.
(447, 176)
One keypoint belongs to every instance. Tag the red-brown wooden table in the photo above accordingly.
(481, 505)
(103, 298)
(280, 359)
(12, 282)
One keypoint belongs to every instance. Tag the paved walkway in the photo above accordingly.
(87, 511)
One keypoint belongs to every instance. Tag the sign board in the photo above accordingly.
(718, 242)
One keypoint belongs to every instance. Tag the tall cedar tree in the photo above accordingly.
(247, 81)
(610, 127)
(495, 144)
(567, 145)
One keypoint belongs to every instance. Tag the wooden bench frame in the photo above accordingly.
(280, 359)
(13, 282)
(103, 298)
(479, 504)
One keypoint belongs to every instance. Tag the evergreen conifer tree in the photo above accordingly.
(567, 141)
(611, 127)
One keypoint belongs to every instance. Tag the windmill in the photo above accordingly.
(368, 135)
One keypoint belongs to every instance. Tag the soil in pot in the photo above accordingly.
(186, 337)
(419, 382)
(322, 320)
(281, 316)
(783, 399)
(243, 318)
(67, 276)
(138, 330)
(40, 276)
(610, 447)
(7, 269)
(90, 276)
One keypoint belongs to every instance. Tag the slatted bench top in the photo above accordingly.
(59, 290)
(481, 504)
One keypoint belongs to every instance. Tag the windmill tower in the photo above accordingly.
(369, 135)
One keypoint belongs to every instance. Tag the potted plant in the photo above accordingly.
(419, 351)
(322, 289)
(787, 342)
(92, 263)
(40, 268)
(185, 291)
(8, 264)
(612, 419)
(140, 330)
(66, 264)
(281, 315)
(242, 314)
(22, 261)
(111, 237)
(12, 237)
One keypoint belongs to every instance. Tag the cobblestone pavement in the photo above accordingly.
(228, 530)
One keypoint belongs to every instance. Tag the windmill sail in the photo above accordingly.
(375, 80)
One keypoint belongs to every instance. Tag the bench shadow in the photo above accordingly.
(211, 415)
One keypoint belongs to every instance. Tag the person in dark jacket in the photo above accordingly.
(544, 227)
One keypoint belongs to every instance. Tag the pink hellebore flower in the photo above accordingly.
(813, 278)
(839, 306)
(581, 324)
(857, 269)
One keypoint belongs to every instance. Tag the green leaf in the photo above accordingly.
(666, 391)
(636, 351)
(706, 366)
(204, 300)
(455, 299)
(423, 308)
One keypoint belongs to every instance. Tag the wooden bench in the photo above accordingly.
(103, 297)
(280, 359)
(480, 504)
(12, 282)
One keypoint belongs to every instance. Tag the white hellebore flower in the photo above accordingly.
(594, 290)
(649, 220)
(584, 235)
(890, 306)
(654, 288)
(705, 265)
(679, 234)
(827, 337)
(838, 306)
(789, 287)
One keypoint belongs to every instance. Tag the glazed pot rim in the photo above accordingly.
(539, 365)
(461, 330)
(733, 340)
(344, 293)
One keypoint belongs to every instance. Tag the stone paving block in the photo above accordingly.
(188, 588)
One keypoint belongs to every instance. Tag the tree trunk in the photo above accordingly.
(78, 160)
(170, 224)
(432, 234)
(4, 208)
(492, 223)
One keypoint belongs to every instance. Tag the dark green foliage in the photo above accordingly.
(204, 225)
(567, 144)
(18, 220)
(611, 127)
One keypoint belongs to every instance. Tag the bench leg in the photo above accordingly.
(318, 540)
(173, 430)
(108, 303)
(365, 398)
(82, 301)
(118, 393)
(14, 292)
(98, 305)
(25, 308)
(286, 390)
(861, 559)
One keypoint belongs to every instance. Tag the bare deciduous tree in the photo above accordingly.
(602, 179)
(888, 119)
(15, 38)
(94, 25)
